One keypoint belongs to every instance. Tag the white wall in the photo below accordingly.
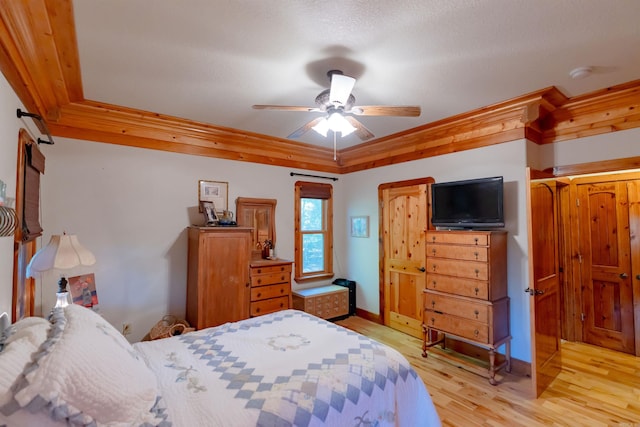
(9, 127)
(131, 207)
(507, 160)
(596, 148)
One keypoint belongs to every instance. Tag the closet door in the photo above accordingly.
(605, 248)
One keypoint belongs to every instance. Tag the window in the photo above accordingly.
(313, 231)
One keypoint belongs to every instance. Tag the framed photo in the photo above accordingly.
(216, 192)
(359, 226)
(209, 211)
(83, 291)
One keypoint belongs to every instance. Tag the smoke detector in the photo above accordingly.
(581, 72)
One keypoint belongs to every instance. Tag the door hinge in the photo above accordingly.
(578, 202)
(582, 317)
(580, 258)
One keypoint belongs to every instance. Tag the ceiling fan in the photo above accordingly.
(339, 105)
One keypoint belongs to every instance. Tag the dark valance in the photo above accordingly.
(314, 190)
(34, 166)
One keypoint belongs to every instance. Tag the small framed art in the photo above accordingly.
(83, 291)
(359, 226)
(216, 192)
(209, 211)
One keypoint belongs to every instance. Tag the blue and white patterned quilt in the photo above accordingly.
(286, 369)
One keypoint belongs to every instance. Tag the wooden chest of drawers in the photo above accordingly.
(270, 286)
(466, 291)
(327, 302)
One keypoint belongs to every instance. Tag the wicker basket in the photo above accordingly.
(169, 326)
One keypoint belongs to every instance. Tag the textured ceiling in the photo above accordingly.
(210, 61)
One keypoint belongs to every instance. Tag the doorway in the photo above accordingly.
(605, 285)
(404, 222)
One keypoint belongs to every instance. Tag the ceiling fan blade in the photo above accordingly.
(305, 128)
(286, 108)
(361, 130)
(386, 110)
(341, 87)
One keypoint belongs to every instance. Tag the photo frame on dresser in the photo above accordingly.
(209, 211)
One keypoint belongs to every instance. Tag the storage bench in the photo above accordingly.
(327, 302)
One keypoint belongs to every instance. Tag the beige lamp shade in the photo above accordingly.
(61, 253)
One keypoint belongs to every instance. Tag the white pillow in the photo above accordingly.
(87, 373)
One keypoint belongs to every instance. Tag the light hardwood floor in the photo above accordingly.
(597, 387)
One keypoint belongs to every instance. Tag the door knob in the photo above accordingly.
(623, 275)
(422, 269)
(533, 292)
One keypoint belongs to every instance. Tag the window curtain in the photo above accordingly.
(314, 190)
(34, 166)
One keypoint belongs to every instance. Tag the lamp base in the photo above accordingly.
(62, 299)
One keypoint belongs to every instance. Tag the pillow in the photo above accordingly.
(87, 373)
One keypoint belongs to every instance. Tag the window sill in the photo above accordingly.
(313, 278)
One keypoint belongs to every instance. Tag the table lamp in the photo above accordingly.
(61, 253)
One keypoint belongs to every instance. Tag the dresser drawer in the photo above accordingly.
(273, 269)
(451, 267)
(269, 279)
(460, 238)
(468, 253)
(465, 328)
(455, 285)
(270, 291)
(462, 307)
(271, 305)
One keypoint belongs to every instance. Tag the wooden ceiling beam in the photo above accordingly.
(39, 57)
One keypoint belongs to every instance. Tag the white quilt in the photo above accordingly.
(286, 369)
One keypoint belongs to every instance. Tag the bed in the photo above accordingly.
(282, 369)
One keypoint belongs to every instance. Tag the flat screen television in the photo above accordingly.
(473, 203)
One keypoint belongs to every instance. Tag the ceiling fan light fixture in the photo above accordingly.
(338, 123)
(322, 127)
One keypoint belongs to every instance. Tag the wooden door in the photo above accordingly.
(404, 227)
(544, 279)
(607, 296)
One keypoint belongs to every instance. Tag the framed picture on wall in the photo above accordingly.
(83, 291)
(216, 192)
(359, 226)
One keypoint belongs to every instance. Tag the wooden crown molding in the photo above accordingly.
(39, 57)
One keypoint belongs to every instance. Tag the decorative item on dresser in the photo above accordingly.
(466, 292)
(270, 286)
(218, 286)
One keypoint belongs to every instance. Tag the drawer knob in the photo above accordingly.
(476, 333)
(475, 240)
(433, 304)
(258, 310)
(433, 267)
(476, 312)
(433, 283)
(259, 295)
(477, 272)
(282, 278)
(259, 281)
(476, 254)
(433, 321)
(433, 238)
(281, 291)
(433, 251)
(281, 304)
(259, 270)
(477, 290)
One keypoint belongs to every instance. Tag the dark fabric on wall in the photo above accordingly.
(314, 190)
(34, 166)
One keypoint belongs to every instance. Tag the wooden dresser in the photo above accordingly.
(270, 286)
(466, 292)
(218, 275)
